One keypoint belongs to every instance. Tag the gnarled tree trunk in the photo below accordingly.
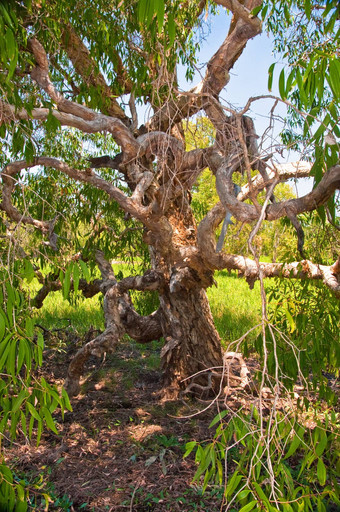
(192, 343)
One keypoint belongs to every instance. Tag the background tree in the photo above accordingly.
(72, 79)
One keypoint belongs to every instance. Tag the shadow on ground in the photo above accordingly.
(121, 448)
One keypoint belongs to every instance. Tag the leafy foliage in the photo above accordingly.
(27, 401)
(286, 455)
(306, 34)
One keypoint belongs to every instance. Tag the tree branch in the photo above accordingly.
(128, 204)
(94, 123)
(248, 213)
(87, 68)
(248, 268)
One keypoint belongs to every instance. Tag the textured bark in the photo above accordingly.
(192, 343)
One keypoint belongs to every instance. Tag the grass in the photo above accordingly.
(234, 306)
(57, 313)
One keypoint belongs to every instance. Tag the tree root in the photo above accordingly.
(105, 342)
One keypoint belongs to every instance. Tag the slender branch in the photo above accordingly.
(113, 192)
(95, 123)
(280, 172)
(87, 68)
(248, 213)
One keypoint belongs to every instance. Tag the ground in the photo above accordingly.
(121, 448)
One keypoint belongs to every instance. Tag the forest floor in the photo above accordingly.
(122, 447)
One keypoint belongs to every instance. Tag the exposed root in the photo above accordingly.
(234, 363)
(105, 342)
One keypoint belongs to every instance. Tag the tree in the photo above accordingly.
(72, 75)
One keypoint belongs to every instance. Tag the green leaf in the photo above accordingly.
(12, 359)
(2, 327)
(29, 327)
(333, 78)
(5, 347)
(10, 44)
(320, 448)
(160, 14)
(86, 271)
(12, 66)
(22, 349)
(6, 16)
(75, 278)
(49, 420)
(249, 506)
(52, 123)
(261, 494)
(218, 418)
(143, 6)
(290, 81)
(171, 29)
(18, 400)
(321, 472)
(270, 76)
(243, 494)
(66, 399)
(256, 10)
(282, 84)
(67, 281)
(23, 423)
(21, 506)
(297, 439)
(264, 12)
(33, 411)
(290, 320)
(189, 447)
(233, 483)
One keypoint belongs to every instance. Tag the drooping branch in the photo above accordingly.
(128, 204)
(95, 123)
(52, 285)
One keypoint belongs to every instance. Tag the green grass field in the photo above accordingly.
(235, 308)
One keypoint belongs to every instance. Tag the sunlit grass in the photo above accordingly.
(235, 308)
(57, 313)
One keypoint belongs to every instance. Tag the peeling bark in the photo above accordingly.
(191, 340)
